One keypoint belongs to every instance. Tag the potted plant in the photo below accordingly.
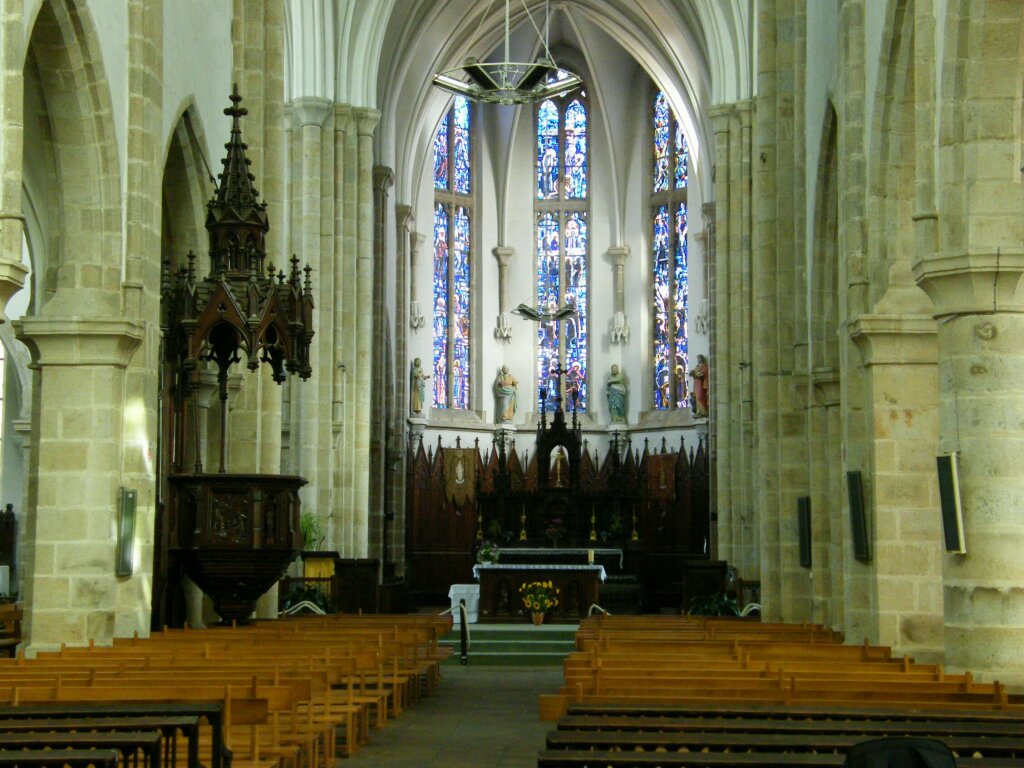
(538, 597)
(487, 552)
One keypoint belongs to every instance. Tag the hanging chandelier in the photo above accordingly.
(510, 82)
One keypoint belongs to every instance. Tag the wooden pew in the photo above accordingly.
(130, 744)
(59, 758)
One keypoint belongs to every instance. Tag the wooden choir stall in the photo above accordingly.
(617, 530)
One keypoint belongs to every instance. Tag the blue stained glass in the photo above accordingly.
(460, 144)
(662, 334)
(547, 151)
(440, 307)
(460, 374)
(680, 300)
(441, 155)
(576, 293)
(682, 157)
(576, 151)
(662, 119)
(548, 295)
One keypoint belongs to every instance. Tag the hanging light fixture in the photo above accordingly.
(510, 82)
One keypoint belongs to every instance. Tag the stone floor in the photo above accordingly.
(479, 717)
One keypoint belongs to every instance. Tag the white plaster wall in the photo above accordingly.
(197, 70)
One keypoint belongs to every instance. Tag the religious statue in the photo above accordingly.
(701, 379)
(418, 386)
(505, 387)
(616, 390)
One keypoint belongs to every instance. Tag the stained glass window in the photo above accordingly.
(562, 248)
(453, 259)
(669, 256)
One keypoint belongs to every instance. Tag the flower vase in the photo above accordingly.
(538, 618)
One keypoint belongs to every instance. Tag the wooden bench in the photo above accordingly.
(11, 616)
(130, 744)
(59, 758)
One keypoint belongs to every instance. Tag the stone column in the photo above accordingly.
(313, 435)
(344, 399)
(981, 395)
(12, 98)
(731, 391)
(416, 318)
(366, 122)
(619, 331)
(503, 322)
(77, 453)
(385, 387)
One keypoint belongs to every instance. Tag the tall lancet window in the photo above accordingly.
(562, 238)
(669, 257)
(453, 216)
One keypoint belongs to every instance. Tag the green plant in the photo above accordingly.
(312, 533)
(308, 592)
(539, 596)
(487, 552)
(718, 604)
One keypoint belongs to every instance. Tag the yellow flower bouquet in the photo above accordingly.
(538, 596)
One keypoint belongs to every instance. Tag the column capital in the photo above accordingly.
(311, 110)
(403, 216)
(75, 341)
(972, 283)
(383, 178)
(825, 382)
(342, 118)
(618, 255)
(366, 120)
(12, 280)
(503, 253)
(896, 339)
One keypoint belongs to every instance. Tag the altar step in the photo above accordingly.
(515, 645)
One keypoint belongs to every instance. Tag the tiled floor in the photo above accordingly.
(480, 717)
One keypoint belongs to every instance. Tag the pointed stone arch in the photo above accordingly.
(63, 53)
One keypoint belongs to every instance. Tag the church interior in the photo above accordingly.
(727, 291)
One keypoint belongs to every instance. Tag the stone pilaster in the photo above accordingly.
(77, 471)
(904, 532)
(825, 432)
(731, 390)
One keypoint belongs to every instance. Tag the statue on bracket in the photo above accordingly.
(617, 391)
(701, 379)
(505, 390)
(418, 386)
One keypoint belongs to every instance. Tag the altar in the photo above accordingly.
(578, 586)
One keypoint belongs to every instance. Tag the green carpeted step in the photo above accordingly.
(515, 645)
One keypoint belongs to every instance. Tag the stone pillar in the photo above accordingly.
(77, 472)
(12, 98)
(503, 322)
(619, 331)
(902, 387)
(981, 392)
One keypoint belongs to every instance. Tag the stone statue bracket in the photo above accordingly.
(503, 327)
(702, 320)
(619, 329)
(416, 319)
